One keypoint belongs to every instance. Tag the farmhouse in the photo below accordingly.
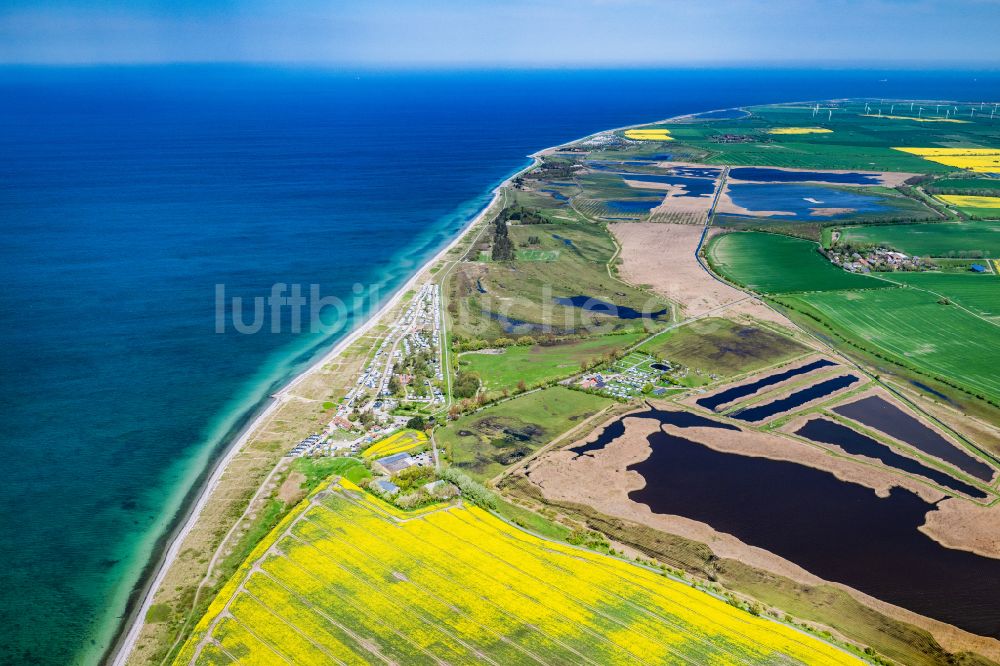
(394, 464)
(386, 487)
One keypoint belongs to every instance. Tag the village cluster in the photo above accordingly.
(405, 369)
(628, 377)
(874, 259)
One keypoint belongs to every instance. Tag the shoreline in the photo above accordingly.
(167, 546)
(124, 639)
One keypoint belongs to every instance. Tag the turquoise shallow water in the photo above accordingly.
(127, 194)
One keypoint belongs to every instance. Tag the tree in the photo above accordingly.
(521, 386)
(466, 385)
(416, 423)
(503, 248)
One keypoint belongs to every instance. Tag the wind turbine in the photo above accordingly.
(891, 108)
(830, 117)
(921, 112)
(911, 106)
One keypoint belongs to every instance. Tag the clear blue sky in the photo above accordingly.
(480, 33)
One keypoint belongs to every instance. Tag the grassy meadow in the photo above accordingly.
(722, 347)
(348, 579)
(484, 443)
(536, 364)
(931, 240)
(961, 185)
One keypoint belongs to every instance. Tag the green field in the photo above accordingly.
(910, 327)
(525, 291)
(773, 264)
(931, 240)
(722, 347)
(485, 443)
(980, 294)
(855, 142)
(961, 185)
(537, 364)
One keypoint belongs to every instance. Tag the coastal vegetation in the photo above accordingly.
(713, 347)
(485, 442)
(536, 364)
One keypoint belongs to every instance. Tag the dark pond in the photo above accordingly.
(830, 432)
(633, 205)
(556, 194)
(778, 176)
(659, 366)
(678, 418)
(519, 327)
(598, 306)
(928, 389)
(693, 187)
(840, 531)
(565, 241)
(729, 395)
(480, 287)
(881, 415)
(800, 397)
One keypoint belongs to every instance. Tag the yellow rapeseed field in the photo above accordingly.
(649, 134)
(983, 160)
(968, 201)
(404, 440)
(344, 581)
(799, 130)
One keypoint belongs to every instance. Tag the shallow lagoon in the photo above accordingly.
(799, 201)
(763, 174)
(694, 187)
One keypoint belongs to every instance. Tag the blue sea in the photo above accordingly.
(127, 194)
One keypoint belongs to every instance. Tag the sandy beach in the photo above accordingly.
(126, 640)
